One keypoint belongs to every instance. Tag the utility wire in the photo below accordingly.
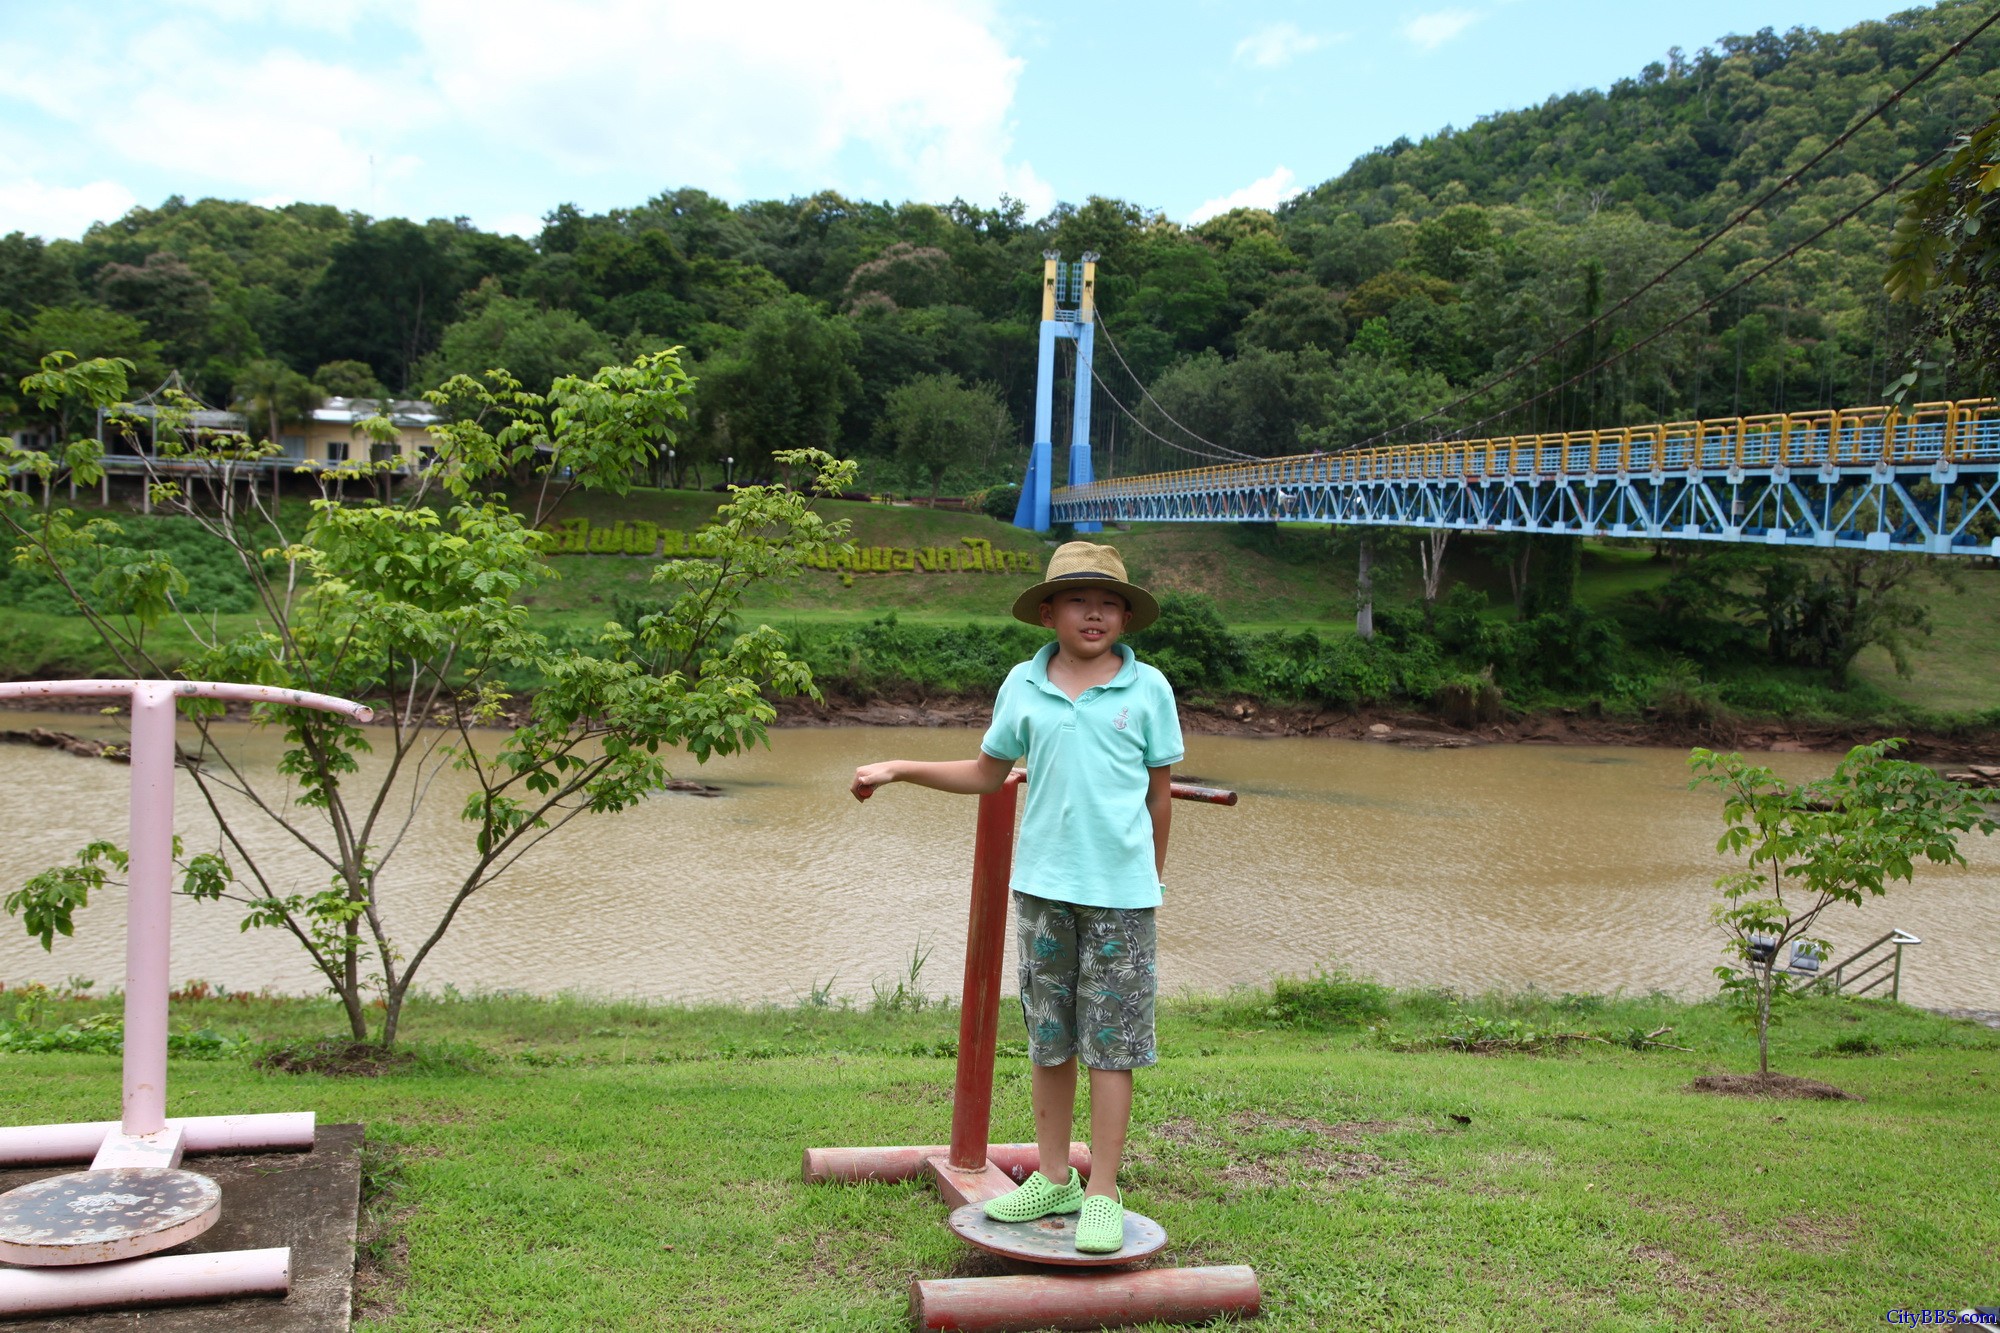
(1790, 180)
(1112, 343)
(1712, 301)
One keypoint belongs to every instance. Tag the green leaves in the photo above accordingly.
(48, 903)
(1838, 839)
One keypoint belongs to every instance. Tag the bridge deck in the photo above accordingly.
(1925, 479)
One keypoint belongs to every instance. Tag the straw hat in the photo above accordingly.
(1078, 565)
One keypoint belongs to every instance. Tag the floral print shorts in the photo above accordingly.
(1087, 982)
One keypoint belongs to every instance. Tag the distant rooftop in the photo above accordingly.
(402, 411)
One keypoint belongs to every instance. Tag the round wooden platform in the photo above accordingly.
(1052, 1240)
(92, 1217)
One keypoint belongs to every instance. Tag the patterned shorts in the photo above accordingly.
(1087, 982)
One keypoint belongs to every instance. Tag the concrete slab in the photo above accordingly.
(309, 1201)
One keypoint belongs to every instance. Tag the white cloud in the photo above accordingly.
(52, 211)
(708, 94)
(1430, 31)
(263, 100)
(1267, 192)
(1277, 44)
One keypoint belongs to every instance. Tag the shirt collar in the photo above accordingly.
(1038, 668)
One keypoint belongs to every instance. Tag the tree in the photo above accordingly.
(415, 605)
(784, 385)
(538, 346)
(1370, 393)
(1838, 839)
(1821, 612)
(384, 297)
(277, 393)
(1297, 318)
(348, 379)
(1945, 246)
(935, 421)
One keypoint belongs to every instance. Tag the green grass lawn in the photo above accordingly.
(572, 1165)
(1958, 668)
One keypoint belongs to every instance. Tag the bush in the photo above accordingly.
(1190, 644)
(999, 502)
(1470, 701)
(885, 653)
(1347, 673)
(1326, 1000)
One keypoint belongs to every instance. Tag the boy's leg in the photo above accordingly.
(1116, 984)
(1052, 1090)
(1110, 1119)
(1047, 939)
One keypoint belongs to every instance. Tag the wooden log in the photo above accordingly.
(1084, 1300)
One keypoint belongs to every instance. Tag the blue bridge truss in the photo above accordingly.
(1924, 479)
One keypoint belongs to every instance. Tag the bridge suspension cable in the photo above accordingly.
(1113, 343)
(1791, 178)
(1226, 456)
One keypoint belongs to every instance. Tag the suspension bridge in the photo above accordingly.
(1922, 479)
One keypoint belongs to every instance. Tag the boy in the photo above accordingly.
(1100, 733)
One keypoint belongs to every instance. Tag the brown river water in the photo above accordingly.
(1567, 868)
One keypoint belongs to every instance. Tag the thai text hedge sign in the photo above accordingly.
(579, 536)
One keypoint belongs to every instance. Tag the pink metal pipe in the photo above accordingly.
(30, 1145)
(162, 1280)
(185, 689)
(149, 897)
(149, 873)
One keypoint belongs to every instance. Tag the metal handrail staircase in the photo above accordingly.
(1875, 964)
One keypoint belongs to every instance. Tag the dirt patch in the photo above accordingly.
(913, 1094)
(1344, 1131)
(1771, 1085)
(335, 1057)
(1815, 1235)
(1676, 1272)
(1314, 1163)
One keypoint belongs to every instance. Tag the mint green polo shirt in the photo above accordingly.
(1085, 835)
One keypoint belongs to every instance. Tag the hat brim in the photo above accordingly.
(1028, 606)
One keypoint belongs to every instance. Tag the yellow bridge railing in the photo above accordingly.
(1966, 431)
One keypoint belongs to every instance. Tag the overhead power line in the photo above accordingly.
(1791, 179)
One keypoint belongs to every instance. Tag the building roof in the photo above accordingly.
(402, 411)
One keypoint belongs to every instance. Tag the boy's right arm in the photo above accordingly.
(967, 777)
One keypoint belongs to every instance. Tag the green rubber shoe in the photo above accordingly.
(1037, 1196)
(1101, 1229)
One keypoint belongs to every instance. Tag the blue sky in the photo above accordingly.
(500, 109)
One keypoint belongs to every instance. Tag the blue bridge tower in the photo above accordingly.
(1069, 310)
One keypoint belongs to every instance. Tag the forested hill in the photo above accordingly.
(1424, 268)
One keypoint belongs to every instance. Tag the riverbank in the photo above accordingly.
(1259, 718)
(1328, 1134)
(1401, 726)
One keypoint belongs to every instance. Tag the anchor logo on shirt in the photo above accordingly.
(1123, 715)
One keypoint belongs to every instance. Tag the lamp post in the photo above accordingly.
(729, 470)
(671, 483)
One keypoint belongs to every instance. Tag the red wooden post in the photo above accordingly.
(985, 943)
